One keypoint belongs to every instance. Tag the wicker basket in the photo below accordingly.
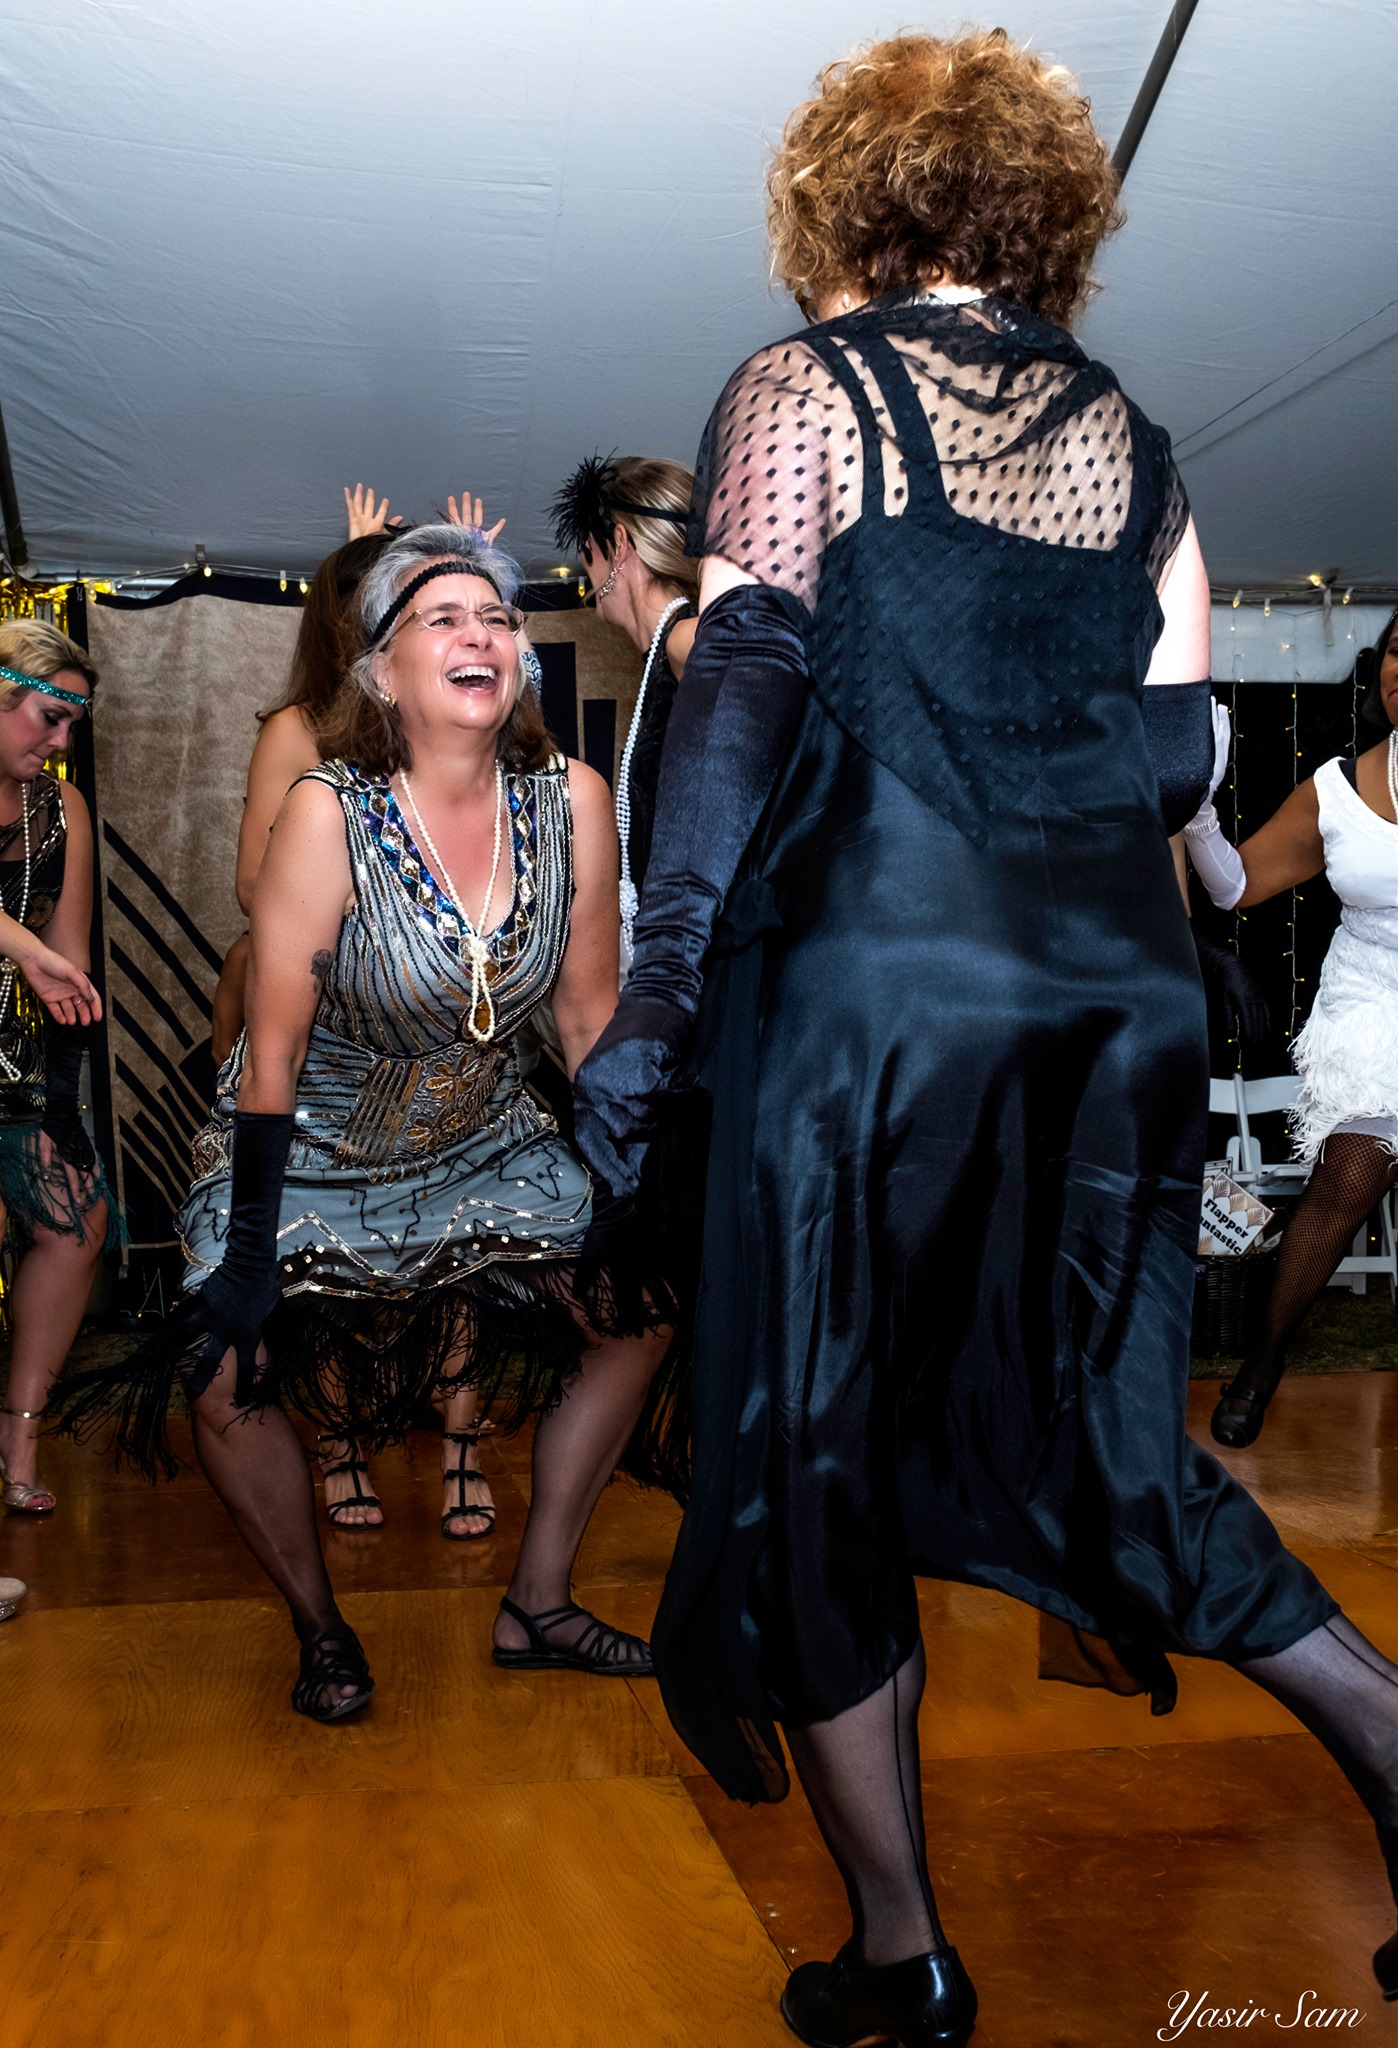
(1230, 1301)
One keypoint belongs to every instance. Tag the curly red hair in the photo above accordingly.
(922, 157)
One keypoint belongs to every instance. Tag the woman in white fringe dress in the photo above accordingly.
(1343, 820)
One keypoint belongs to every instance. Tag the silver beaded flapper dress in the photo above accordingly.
(431, 1216)
(419, 1158)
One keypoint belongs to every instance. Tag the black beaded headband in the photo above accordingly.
(414, 585)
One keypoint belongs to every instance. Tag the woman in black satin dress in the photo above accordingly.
(911, 916)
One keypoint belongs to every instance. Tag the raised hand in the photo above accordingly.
(471, 515)
(364, 515)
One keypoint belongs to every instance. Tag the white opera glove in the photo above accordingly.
(1217, 862)
(1223, 746)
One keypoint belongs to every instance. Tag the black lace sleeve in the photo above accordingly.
(762, 485)
(1165, 505)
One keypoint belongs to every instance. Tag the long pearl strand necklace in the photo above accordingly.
(7, 975)
(1393, 770)
(630, 898)
(473, 936)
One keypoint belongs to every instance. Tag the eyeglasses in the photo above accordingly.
(447, 619)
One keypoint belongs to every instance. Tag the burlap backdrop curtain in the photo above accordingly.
(175, 722)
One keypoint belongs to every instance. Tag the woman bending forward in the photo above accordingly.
(373, 1152)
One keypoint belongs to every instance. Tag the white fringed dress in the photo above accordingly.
(1347, 1055)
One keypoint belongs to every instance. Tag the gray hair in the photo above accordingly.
(405, 556)
(409, 552)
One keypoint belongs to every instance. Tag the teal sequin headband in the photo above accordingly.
(14, 675)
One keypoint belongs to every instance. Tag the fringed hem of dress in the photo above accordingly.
(40, 1196)
(363, 1368)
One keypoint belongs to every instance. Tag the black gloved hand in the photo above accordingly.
(243, 1289)
(1226, 979)
(62, 1118)
(731, 729)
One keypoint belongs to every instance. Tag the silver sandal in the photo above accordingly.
(18, 1497)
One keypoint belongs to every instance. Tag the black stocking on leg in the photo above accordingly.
(861, 1774)
(896, 1977)
(1351, 1177)
(254, 1461)
(1346, 1692)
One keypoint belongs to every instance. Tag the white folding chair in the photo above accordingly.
(1242, 1100)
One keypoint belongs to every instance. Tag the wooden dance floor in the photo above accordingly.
(527, 1860)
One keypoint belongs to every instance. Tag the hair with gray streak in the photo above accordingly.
(365, 729)
(402, 558)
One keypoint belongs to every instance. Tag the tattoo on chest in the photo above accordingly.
(320, 966)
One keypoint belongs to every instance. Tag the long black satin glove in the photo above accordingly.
(243, 1289)
(1179, 723)
(1226, 978)
(62, 1118)
(734, 719)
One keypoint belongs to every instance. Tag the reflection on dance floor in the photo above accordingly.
(522, 1859)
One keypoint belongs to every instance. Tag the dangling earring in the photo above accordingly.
(606, 589)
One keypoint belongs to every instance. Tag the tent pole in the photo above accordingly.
(15, 545)
(1166, 50)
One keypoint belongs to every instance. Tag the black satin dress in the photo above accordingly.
(954, 1032)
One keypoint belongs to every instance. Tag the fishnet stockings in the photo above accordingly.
(254, 1461)
(1351, 1177)
(860, 1773)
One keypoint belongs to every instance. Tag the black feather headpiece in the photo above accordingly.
(581, 514)
(584, 511)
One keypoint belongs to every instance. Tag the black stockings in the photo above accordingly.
(1346, 1692)
(860, 1772)
(254, 1461)
(1350, 1179)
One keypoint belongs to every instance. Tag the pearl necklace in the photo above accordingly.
(473, 938)
(630, 898)
(7, 975)
(1393, 770)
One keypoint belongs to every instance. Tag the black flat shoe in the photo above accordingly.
(605, 1651)
(1237, 1420)
(332, 1659)
(925, 2002)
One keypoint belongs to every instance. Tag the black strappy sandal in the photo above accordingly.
(335, 1511)
(605, 1651)
(461, 1473)
(329, 1660)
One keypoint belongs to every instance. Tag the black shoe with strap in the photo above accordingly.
(338, 1511)
(926, 2002)
(331, 1660)
(461, 1472)
(605, 1651)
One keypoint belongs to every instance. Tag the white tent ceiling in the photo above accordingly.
(249, 253)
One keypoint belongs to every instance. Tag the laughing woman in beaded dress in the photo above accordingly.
(289, 744)
(911, 879)
(56, 1212)
(373, 1151)
(1342, 821)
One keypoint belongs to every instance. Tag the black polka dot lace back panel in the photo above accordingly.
(962, 503)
